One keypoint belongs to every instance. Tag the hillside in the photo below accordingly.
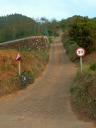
(32, 65)
(18, 26)
(34, 57)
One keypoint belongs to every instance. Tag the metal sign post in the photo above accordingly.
(80, 52)
(19, 67)
(81, 64)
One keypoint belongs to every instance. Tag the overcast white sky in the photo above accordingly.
(50, 9)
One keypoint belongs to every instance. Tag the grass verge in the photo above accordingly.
(83, 92)
(32, 64)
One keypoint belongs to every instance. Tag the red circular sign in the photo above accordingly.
(80, 51)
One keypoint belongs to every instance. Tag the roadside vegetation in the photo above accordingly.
(34, 51)
(83, 92)
(32, 64)
(81, 32)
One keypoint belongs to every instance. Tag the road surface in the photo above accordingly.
(46, 103)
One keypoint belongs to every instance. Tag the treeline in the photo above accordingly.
(17, 26)
(81, 30)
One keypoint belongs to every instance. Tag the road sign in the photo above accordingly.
(18, 58)
(80, 52)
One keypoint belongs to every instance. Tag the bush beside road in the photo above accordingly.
(83, 92)
(83, 89)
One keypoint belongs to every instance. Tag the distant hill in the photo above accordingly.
(17, 26)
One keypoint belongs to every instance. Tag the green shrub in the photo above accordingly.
(51, 39)
(93, 67)
(26, 78)
(83, 92)
(71, 47)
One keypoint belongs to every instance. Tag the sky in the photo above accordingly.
(51, 9)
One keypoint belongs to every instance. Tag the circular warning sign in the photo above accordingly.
(80, 52)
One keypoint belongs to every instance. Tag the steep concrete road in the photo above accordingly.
(46, 103)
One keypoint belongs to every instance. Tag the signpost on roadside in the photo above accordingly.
(18, 58)
(80, 52)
